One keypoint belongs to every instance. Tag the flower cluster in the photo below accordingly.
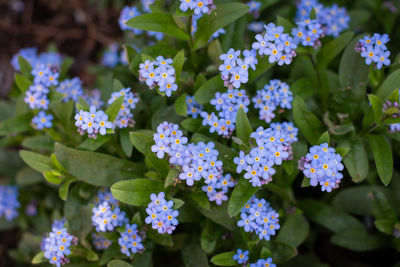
(129, 12)
(277, 45)
(241, 256)
(57, 245)
(112, 56)
(263, 263)
(259, 217)
(307, 33)
(227, 104)
(9, 203)
(125, 115)
(130, 240)
(333, 19)
(254, 8)
(100, 242)
(71, 89)
(162, 216)
(234, 70)
(287, 131)
(93, 122)
(274, 94)
(104, 195)
(272, 148)
(93, 98)
(197, 161)
(159, 73)
(193, 108)
(322, 165)
(48, 59)
(107, 217)
(198, 6)
(374, 50)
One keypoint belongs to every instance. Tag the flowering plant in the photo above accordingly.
(209, 137)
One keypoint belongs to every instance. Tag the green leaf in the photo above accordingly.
(125, 141)
(385, 226)
(201, 199)
(28, 177)
(356, 161)
(22, 82)
(158, 22)
(357, 240)
(331, 50)
(243, 127)
(39, 142)
(180, 105)
(262, 66)
(389, 84)
(91, 144)
(208, 89)
(82, 105)
(214, 50)
(191, 125)
(177, 203)
(78, 215)
(65, 66)
(63, 111)
(241, 194)
(113, 109)
(193, 255)
(224, 259)
(118, 263)
(172, 175)
(383, 157)
(177, 63)
(100, 169)
(223, 15)
(377, 104)
(136, 192)
(324, 138)
(281, 252)
(143, 140)
(36, 161)
(16, 125)
(39, 258)
(219, 215)
(25, 67)
(53, 177)
(209, 237)
(63, 190)
(307, 122)
(164, 240)
(294, 231)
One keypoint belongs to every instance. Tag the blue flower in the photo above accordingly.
(29, 54)
(42, 120)
(100, 242)
(263, 263)
(106, 217)
(111, 56)
(241, 256)
(9, 203)
(71, 89)
(162, 216)
(131, 240)
(126, 14)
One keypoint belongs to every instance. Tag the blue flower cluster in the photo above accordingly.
(256, 26)
(100, 242)
(333, 19)
(104, 195)
(394, 127)
(47, 59)
(93, 98)
(57, 245)
(146, 5)
(162, 216)
(277, 45)
(159, 73)
(130, 240)
(124, 118)
(129, 12)
(259, 217)
(322, 165)
(374, 50)
(112, 56)
(273, 147)
(227, 104)
(254, 8)
(71, 89)
(287, 131)
(106, 217)
(263, 263)
(234, 70)
(198, 6)
(93, 122)
(307, 33)
(241, 256)
(9, 203)
(274, 94)
(36, 97)
(197, 161)
(193, 108)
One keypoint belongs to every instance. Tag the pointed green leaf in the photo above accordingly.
(36, 161)
(208, 89)
(22, 82)
(324, 138)
(16, 125)
(331, 50)
(177, 63)
(113, 109)
(294, 230)
(243, 127)
(241, 194)
(383, 157)
(391, 83)
(180, 105)
(224, 259)
(377, 105)
(25, 67)
(356, 161)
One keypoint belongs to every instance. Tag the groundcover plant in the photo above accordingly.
(218, 133)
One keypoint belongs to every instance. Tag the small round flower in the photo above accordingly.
(131, 241)
(241, 256)
(42, 120)
(162, 216)
(9, 203)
